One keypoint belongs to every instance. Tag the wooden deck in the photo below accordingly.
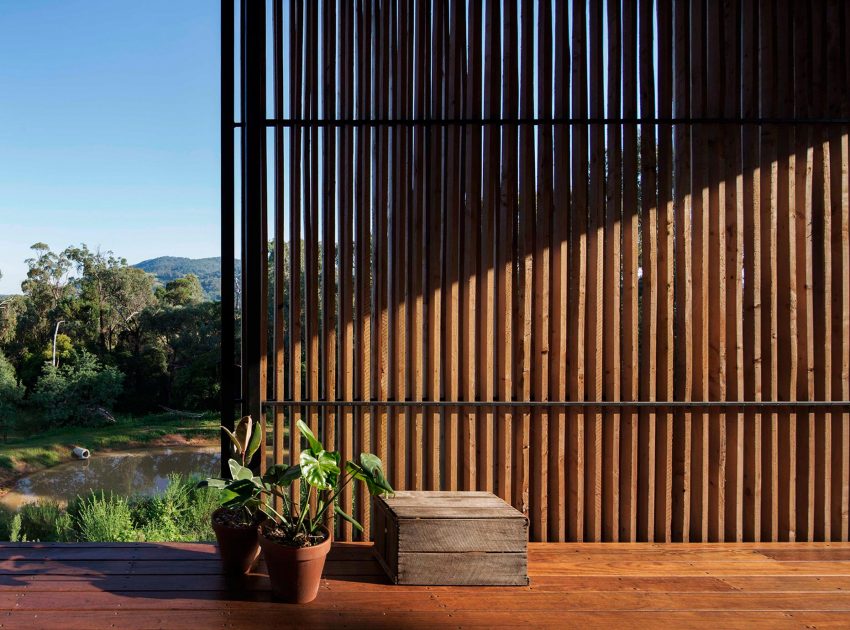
(593, 585)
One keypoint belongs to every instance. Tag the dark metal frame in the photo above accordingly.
(245, 389)
(228, 273)
(446, 122)
(663, 405)
(254, 262)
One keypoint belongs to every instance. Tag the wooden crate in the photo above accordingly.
(464, 538)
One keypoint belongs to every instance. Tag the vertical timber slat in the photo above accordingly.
(470, 216)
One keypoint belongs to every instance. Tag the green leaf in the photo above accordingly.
(374, 471)
(226, 496)
(243, 433)
(333, 477)
(315, 445)
(354, 469)
(319, 470)
(349, 518)
(362, 475)
(244, 487)
(239, 493)
(239, 471)
(233, 438)
(254, 443)
(213, 483)
(282, 475)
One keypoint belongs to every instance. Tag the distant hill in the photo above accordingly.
(168, 268)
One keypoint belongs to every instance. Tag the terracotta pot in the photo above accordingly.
(238, 546)
(295, 573)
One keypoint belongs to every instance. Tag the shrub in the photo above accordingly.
(103, 518)
(15, 530)
(11, 393)
(196, 517)
(46, 522)
(72, 393)
(181, 513)
(6, 516)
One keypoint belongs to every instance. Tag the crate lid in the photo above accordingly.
(443, 504)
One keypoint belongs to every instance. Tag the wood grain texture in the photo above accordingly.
(439, 538)
(630, 327)
(577, 296)
(611, 290)
(683, 292)
(500, 569)
(596, 586)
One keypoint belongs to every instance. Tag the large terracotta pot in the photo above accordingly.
(238, 546)
(295, 572)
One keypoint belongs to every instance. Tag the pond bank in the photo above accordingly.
(23, 456)
(126, 473)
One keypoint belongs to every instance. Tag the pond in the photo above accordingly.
(125, 473)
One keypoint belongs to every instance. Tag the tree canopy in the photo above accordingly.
(119, 340)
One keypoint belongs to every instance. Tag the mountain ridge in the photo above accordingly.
(168, 268)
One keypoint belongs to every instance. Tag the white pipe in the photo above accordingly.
(81, 453)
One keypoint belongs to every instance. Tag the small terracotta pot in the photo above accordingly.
(238, 546)
(295, 572)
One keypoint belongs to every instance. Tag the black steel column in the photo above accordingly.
(253, 46)
(228, 352)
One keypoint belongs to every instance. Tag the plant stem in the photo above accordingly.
(304, 509)
(340, 487)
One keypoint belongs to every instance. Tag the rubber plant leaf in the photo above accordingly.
(254, 442)
(238, 471)
(226, 496)
(282, 475)
(212, 483)
(233, 438)
(239, 493)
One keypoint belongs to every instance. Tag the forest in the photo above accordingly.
(90, 336)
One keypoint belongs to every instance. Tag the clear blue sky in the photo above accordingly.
(109, 128)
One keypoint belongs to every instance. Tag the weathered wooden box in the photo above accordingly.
(465, 538)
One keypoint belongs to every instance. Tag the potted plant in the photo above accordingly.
(296, 541)
(235, 522)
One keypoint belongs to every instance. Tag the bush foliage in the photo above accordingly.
(181, 513)
(75, 392)
(90, 332)
(11, 393)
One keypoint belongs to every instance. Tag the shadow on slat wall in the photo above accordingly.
(571, 201)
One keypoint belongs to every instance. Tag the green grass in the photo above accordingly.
(27, 453)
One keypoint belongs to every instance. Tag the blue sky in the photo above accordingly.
(109, 131)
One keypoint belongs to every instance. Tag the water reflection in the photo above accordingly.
(126, 473)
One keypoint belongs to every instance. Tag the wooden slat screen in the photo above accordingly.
(525, 200)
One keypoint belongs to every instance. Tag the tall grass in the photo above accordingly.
(180, 513)
(104, 518)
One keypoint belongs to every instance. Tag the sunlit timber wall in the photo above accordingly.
(565, 201)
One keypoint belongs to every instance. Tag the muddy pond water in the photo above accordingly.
(125, 473)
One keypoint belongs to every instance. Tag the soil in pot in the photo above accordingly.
(295, 566)
(237, 540)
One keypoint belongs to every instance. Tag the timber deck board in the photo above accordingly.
(168, 585)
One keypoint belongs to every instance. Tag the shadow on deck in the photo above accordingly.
(584, 585)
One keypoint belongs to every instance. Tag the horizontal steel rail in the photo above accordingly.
(655, 120)
(831, 405)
